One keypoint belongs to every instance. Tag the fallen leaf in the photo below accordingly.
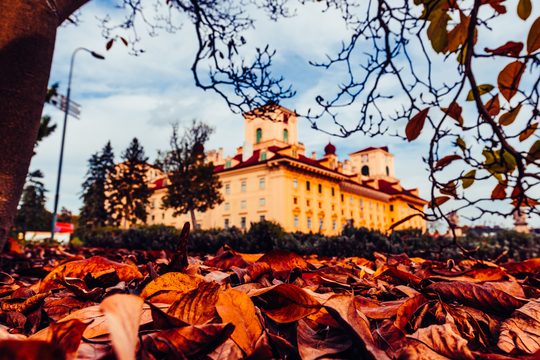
(197, 306)
(522, 330)
(285, 303)
(478, 296)
(122, 315)
(96, 265)
(171, 281)
(444, 340)
(237, 308)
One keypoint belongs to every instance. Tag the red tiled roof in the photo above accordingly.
(371, 148)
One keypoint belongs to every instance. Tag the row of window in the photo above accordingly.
(227, 223)
(243, 185)
(309, 223)
(243, 204)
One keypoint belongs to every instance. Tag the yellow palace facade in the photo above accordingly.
(271, 178)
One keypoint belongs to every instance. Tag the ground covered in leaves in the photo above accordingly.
(98, 303)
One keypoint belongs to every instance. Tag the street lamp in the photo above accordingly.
(66, 112)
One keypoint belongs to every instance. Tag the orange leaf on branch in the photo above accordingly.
(454, 111)
(525, 134)
(493, 107)
(510, 116)
(511, 48)
(445, 161)
(509, 79)
(499, 192)
(533, 39)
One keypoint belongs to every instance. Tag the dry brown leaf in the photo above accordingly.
(237, 308)
(407, 310)
(122, 315)
(285, 303)
(318, 342)
(522, 330)
(343, 308)
(172, 281)
(283, 261)
(197, 306)
(66, 335)
(444, 340)
(96, 266)
(478, 296)
(187, 342)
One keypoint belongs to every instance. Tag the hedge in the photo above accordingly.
(265, 236)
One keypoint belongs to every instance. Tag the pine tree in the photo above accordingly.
(193, 185)
(100, 167)
(128, 188)
(32, 214)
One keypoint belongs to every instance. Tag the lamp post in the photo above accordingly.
(66, 112)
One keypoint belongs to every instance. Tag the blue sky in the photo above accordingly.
(128, 96)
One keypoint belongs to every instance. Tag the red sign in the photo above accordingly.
(63, 227)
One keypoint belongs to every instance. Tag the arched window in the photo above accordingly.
(365, 170)
(387, 171)
(286, 135)
(258, 135)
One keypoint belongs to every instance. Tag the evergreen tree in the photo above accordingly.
(94, 210)
(128, 188)
(32, 214)
(193, 185)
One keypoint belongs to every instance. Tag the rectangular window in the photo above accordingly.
(391, 207)
(262, 202)
(350, 200)
(227, 188)
(321, 224)
(227, 206)
(295, 201)
(295, 221)
(226, 224)
(295, 183)
(334, 225)
(333, 192)
(309, 222)
(243, 204)
(342, 197)
(228, 164)
(320, 205)
(263, 156)
(307, 202)
(262, 183)
(361, 203)
(308, 186)
(243, 186)
(262, 218)
(320, 189)
(243, 222)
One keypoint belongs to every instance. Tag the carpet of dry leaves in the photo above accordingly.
(99, 303)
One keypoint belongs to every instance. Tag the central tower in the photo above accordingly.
(270, 125)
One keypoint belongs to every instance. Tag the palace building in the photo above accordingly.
(271, 178)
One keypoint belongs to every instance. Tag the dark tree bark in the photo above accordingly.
(27, 37)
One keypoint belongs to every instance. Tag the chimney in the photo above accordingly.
(314, 155)
(247, 151)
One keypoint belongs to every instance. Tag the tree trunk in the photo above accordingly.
(193, 220)
(27, 36)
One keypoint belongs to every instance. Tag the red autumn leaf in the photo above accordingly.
(478, 296)
(533, 39)
(509, 78)
(522, 330)
(407, 310)
(499, 192)
(416, 124)
(109, 44)
(496, 5)
(438, 201)
(493, 106)
(529, 130)
(511, 48)
(285, 303)
(454, 111)
(445, 161)
(96, 266)
(197, 306)
(283, 261)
